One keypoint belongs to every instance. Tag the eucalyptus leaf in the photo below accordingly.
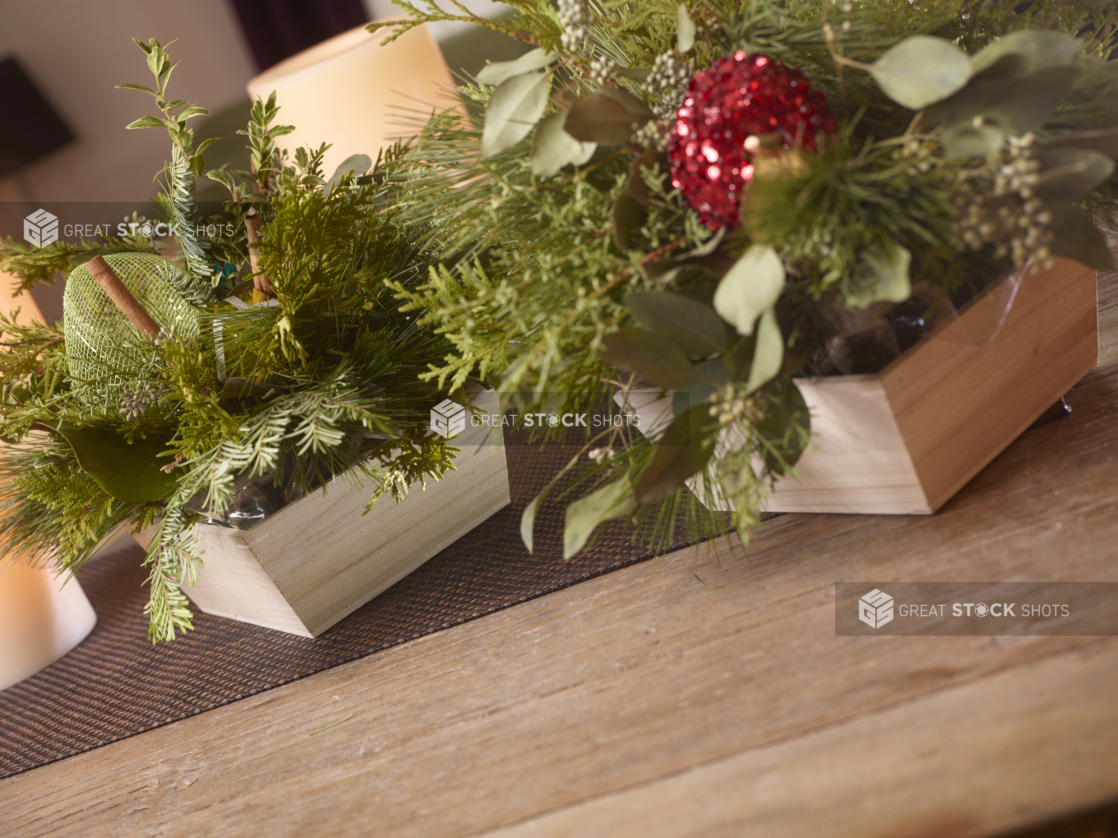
(1076, 237)
(776, 427)
(514, 108)
(1008, 66)
(500, 71)
(614, 500)
(528, 520)
(128, 472)
(751, 286)
(553, 148)
(708, 247)
(716, 265)
(691, 325)
(1102, 140)
(655, 360)
(1017, 105)
(683, 450)
(1038, 49)
(632, 73)
(921, 70)
(663, 272)
(887, 277)
(685, 30)
(528, 517)
(971, 141)
(741, 357)
(630, 102)
(768, 354)
(1069, 174)
(606, 117)
(714, 374)
(1034, 100)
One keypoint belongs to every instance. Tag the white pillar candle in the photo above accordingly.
(356, 94)
(42, 617)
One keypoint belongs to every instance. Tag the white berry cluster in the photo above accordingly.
(668, 80)
(730, 405)
(600, 455)
(995, 205)
(994, 202)
(575, 19)
(653, 134)
(136, 404)
(918, 155)
(602, 71)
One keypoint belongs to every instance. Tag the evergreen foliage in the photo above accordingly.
(570, 266)
(320, 380)
(544, 250)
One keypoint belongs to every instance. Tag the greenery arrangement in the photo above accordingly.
(221, 410)
(702, 200)
(710, 199)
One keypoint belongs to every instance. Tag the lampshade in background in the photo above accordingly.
(40, 618)
(355, 94)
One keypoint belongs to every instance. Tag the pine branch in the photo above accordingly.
(174, 556)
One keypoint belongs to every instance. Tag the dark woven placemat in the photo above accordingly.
(116, 684)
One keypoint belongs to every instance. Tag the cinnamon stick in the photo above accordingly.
(253, 223)
(110, 283)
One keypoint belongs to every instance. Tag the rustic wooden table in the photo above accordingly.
(702, 693)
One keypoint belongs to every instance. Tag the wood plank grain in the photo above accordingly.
(992, 763)
(618, 682)
(638, 676)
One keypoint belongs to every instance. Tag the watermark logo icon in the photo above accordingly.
(875, 609)
(448, 419)
(41, 228)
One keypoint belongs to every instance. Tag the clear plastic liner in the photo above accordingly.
(986, 313)
(255, 497)
(870, 339)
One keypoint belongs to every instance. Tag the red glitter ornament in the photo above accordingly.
(739, 97)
